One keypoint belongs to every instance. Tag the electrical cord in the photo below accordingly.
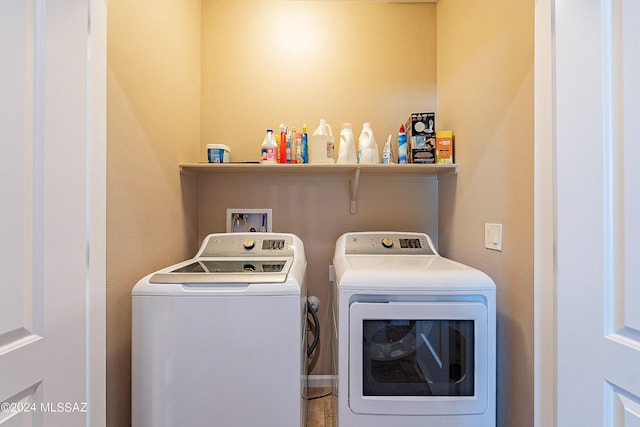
(316, 331)
(319, 396)
(313, 304)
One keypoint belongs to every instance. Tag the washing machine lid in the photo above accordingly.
(209, 271)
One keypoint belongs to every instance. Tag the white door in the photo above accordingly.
(597, 205)
(52, 213)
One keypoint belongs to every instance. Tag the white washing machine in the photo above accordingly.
(219, 340)
(415, 335)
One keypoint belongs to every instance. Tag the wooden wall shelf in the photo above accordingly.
(353, 171)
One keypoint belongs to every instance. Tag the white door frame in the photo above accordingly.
(545, 324)
(97, 256)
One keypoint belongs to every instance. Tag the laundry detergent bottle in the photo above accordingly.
(367, 146)
(347, 148)
(322, 144)
(269, 148)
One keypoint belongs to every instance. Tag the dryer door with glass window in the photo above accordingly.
(418, 358)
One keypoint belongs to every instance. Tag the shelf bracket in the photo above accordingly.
(355, 182)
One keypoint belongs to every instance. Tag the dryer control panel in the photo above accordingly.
(388, 244)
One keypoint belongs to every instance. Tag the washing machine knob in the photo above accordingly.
(387, 242)
(249, 243)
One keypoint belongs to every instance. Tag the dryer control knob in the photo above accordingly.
(387, 242)
(249, 243)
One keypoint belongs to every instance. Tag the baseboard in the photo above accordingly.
(320, 381)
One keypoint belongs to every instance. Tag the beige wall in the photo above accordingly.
(268, 62)
(153, 122)
(485, 94)
(264, 63)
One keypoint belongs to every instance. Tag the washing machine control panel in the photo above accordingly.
(377, 243)
(242, 245)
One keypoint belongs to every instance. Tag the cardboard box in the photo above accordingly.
(421, 124)
(422, 156)
(423, 149)
(444, 147)
(420, 129)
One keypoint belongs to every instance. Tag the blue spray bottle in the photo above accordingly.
(402, 146)
(305, 145)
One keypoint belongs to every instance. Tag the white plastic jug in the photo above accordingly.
(367, 146)
(322, 144)
(347, 148)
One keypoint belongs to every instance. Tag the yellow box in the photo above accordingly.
(444, 147)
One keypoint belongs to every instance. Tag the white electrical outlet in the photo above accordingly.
(248, 220)
(493, 237)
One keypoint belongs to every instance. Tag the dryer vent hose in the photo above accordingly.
(313, 305)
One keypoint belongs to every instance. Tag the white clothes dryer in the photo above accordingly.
(220, 339)
(415, 335)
